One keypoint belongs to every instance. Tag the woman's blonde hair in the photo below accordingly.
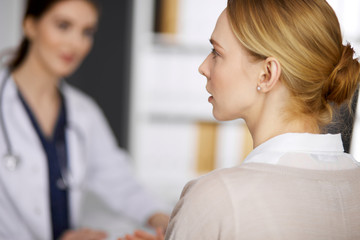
(305, 37)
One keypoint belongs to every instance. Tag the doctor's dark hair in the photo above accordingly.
(36, 9)
(305, 37)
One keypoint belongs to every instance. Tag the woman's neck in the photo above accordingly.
(35, 83)
(265, 131)
(40, 91)
(272, 118)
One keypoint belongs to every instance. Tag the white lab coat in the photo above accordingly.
(96, 163)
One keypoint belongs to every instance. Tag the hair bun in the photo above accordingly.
(344, 78)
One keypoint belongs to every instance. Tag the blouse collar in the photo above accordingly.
(277, 146)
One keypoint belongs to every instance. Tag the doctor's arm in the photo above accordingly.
(142, 235)
(83, 234)
(110, 166)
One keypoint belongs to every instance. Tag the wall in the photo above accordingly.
(105, 73)
(170, 114)
(10, 23)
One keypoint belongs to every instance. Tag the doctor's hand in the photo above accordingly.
(159, 220)
(142, 235)
(83, 234)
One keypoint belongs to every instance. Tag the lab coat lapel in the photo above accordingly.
(76, 155)
(30, 177)
(76, 174)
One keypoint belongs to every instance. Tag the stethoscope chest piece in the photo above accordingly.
(11, 162)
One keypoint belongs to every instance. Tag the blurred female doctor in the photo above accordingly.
(55, 143)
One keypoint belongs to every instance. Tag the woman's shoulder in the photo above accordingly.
(247, 176)
(221, 181)
(74, 93)
(78, 99)
(208, 205)
(203, 207)
(235, 173)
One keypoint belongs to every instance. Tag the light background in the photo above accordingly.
(168, 97)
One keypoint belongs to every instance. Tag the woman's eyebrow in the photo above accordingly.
(214, 42)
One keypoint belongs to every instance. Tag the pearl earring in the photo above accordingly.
(258, 88)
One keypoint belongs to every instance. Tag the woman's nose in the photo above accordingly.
(75, 39)
(203, 69)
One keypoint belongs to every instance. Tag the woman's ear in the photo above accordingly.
(29, 27)
(270, 75)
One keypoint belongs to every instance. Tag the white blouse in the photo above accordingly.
(304, 150)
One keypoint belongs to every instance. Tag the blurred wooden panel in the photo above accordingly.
(166, 16)
(206, 152)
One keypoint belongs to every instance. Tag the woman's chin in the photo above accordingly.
(65, 70)
(221, 117)
(64, 74)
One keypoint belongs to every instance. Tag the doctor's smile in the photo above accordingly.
(68, 58)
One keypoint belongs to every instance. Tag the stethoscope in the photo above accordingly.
(11, 161)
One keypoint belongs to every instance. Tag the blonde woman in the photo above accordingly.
(55, 143)
(281, 66)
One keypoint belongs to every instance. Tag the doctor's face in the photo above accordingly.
(232, 74)
(62, 37)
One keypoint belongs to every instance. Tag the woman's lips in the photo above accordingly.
(67, 58)
(211, 97)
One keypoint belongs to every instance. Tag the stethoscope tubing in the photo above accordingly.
(65, 173)
(9, 150)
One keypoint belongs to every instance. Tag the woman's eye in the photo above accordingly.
(214, 53)
(63, 25)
